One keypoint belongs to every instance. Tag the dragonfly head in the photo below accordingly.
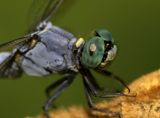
(99, 50)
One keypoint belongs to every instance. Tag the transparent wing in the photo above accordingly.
(42, 10)
(8, 66)
(15, 42)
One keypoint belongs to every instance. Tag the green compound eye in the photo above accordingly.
(93, 52)
(98, 50)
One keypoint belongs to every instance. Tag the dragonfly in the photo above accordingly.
(49, 49)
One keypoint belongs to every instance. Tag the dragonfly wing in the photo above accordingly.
(16, 42)
(8, 67)
(41, 11)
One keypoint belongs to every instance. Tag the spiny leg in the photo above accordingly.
(93, 80)
(91, 104)
(111, 75)
(57, 93)
(62, 86)
(96, 92)
(52, 86)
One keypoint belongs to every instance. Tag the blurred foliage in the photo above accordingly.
(134, 26)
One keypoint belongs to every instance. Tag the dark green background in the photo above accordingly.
(135, 25)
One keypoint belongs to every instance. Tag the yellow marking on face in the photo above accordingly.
(79, 42)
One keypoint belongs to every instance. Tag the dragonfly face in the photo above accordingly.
(98, 50)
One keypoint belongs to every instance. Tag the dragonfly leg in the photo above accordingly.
(111, 75)
(61, 86)
(93, 87)
(91, 104)
(93, 80)
(53, 85)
